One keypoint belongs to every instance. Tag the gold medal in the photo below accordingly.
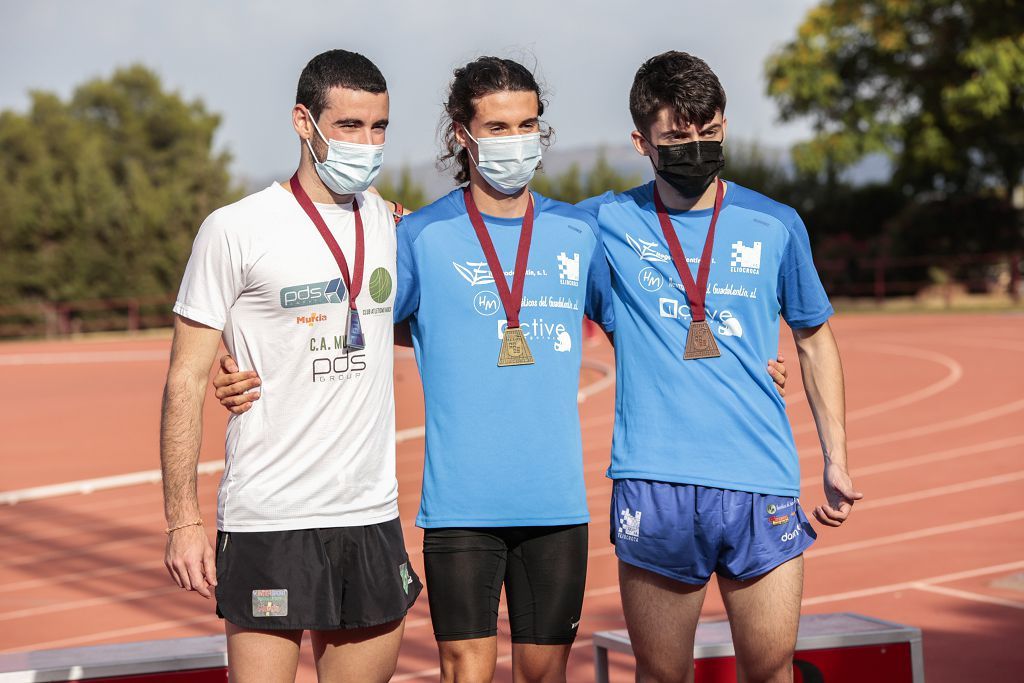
(514, 349)
(700, 342)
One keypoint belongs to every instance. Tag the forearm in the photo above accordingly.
(181, 430)
(822, 372)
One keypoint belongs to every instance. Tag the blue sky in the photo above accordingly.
(243, 58)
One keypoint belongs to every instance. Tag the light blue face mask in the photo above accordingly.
(507, 162)
(349, 167)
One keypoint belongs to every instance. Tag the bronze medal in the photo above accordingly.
(700, 342)
(514, 349)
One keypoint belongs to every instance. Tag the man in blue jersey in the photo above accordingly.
(706, 471)
(495, 281)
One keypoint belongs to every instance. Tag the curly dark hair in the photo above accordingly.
(677, 80)
(477, 79)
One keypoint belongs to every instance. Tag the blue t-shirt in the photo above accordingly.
(717, 422)
(503, 445)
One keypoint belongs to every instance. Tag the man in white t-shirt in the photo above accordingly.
(298, 281)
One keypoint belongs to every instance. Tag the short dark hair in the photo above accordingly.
(481, 77)
(677, 80)
(336, 69)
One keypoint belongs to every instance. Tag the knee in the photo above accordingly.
(662, 670)
(550, 669)
(465, 663)
(767, 670)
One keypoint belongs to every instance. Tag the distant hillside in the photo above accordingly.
(623, 159)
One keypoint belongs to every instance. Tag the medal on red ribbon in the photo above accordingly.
(514, 349)
(354, 340)
(700, 342)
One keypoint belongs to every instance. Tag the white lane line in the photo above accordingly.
(925, 430)
(967, 595)
(940, 491)
(92, 550)
(909, 585)
(84, 357)
(954, 373)
(80, 576)
(926, 459)
(115, 633)
(916, 534)
(88, 602)
(85, 486)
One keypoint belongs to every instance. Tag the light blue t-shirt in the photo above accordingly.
(717, 422)
(503, 445)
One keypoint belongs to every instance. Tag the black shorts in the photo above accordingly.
(317, 579)
(543, 569)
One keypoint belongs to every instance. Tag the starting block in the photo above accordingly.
(830, 648)
(182, 660)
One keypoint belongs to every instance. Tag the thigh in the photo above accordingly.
(358, 654)
(764, 615)
(544, 583)
(276, 580)
(262, 656)
(465, 569)
(376, 583)
(661, 617)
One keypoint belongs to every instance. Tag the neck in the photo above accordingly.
(495, 203)
(314, 187)
(677, 202)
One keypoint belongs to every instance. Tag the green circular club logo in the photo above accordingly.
(380, 285)
(771, 509)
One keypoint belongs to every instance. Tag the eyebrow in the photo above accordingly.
(348, 122)
(533, 119)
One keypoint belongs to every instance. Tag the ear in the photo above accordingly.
(460, 136)
(301, 122)
(640, 144)
(725, 129)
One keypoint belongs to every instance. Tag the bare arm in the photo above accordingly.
(822, 372)
(189, 556)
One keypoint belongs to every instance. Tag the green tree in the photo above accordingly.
(101, 195)
(936, 84)
(569, 186)
(406, 191)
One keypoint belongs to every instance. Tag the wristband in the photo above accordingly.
(170, 530)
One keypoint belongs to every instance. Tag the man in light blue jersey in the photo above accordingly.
(495, 281)
(706, 471)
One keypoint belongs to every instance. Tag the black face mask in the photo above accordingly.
(691, 166)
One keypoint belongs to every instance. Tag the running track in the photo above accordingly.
(936, 427)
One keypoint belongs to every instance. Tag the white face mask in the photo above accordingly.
(349, 167)
(507, 162)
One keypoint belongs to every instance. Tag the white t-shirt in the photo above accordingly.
(318, 448)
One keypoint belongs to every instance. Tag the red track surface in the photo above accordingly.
(936, 443)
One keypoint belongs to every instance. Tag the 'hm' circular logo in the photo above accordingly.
(486, 302)
(650, 279)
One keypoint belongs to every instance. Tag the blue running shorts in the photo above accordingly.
(686, 532)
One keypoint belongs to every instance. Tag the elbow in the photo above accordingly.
(182, 382)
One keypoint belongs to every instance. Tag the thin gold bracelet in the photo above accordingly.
(172, 529)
